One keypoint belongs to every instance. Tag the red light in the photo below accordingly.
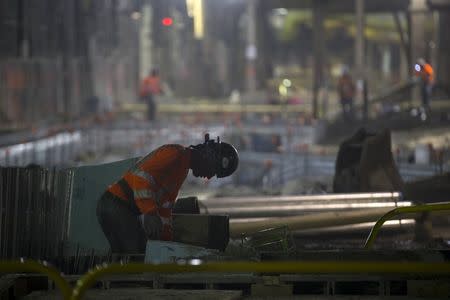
(167, 21)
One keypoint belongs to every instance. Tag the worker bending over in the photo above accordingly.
(139, 206)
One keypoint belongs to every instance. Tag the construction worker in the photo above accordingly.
(424, 72)
(149, 89)
(139, 206)
(346, 90)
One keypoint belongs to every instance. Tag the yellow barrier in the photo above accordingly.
(32, 266)
(216, 108)
(402, 210)
(267, 267)
(319, 267)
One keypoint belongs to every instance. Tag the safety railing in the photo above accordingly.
(317, 267)
(264, 267)
(403, 210)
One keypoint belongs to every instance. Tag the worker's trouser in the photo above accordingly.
(151, 107)
(426, 95)
(120, 224)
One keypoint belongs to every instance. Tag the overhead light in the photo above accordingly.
(167, 21)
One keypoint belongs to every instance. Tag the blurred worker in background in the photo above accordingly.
(346, 90)
(139, 206)
(424, 72)
(149, 89)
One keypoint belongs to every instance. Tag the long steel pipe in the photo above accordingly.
(319, 220)
(351, 197)
(258, 207)
(296, 210)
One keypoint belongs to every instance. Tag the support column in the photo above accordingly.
(443, 45)
(251, 51)
(359, 57)
(386, 62)
(210, 10)
(145, 41)
(418, 10)
(265, 45)
(405, 54)
(418, 44)
(319, 48)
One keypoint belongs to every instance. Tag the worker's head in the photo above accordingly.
(213, 158)
(421, 62)
(154, 72)
(345, 70)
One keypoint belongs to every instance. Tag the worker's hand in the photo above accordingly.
(152, 226)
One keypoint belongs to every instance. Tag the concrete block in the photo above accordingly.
(159, 252)
(209, 231)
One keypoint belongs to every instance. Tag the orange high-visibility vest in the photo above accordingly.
(429, 74)
(426, 73)
(154, 182)
(150, 85)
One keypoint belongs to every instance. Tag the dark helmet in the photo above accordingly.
(222, 155)
(229, 159)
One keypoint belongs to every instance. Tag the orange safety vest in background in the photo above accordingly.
(429, 74)
(154, 182)
(426, 74)
(150, 85)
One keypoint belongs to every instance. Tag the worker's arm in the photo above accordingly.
(152, 198)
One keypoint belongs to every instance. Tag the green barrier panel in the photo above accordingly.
(402, 210)
(89, 183)
(90, 278)
(32, 266)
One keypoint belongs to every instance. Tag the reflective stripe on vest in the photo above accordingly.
(151, 180)
(166, 221)
(167, 204)
(145, 175)
(157, 196)
(146, 194)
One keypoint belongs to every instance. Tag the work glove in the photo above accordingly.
(152, 226)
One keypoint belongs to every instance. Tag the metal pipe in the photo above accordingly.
(3, 198)
(8, 196)
(319, 220)
(226, 201)
(401, 210)
(362, 227)
(317, 267)
(256, 207)
(16, 216)
(295, 210)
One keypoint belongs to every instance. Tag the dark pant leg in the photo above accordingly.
(120, 225)
(425, 96)
(347, 108)
(151, 107)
